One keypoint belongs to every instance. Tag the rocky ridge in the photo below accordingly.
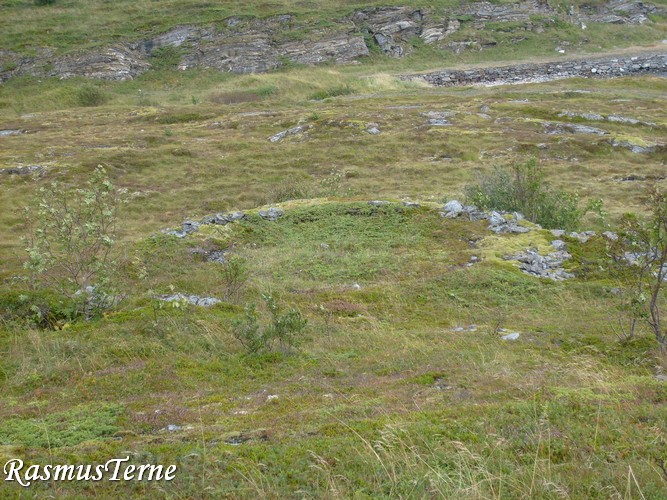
(252, 45)
(606, 67)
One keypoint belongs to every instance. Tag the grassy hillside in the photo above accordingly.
(192, 159)
(401, 385)
(385, 397)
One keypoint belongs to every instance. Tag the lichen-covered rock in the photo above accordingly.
(583, 237)
(452, 209)
(187, 227)
(635, 148)
(499, 223)
(208, 255)
(290, 131)
(195, 300)
(585, 116)
(24, 170)
(7, 132)
(272, 214)
(570, 128)
(543, 266)
(558, 244)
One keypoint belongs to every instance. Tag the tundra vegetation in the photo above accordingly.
(356, 349)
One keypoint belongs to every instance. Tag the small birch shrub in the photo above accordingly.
(70, 240)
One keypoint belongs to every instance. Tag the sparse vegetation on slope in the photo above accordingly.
(392, 351)
(394, 393)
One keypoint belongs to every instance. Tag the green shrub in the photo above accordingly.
(522, 188)
(266, 90)
(284, 329)
(234, 277)
(37, 309)
(90, 96)
(332, 92)
(45, 2)
(247, 330)
(165, 58)
(173, 118)
(70, 239)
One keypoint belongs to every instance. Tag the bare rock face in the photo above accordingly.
(391, 27)
(339, 49)
(248, 54)
(120, 62)
(176, 37)
(14, 64)
(114, 63)
(254, 46)
(433, 33)
(487, 11)
(621, 12)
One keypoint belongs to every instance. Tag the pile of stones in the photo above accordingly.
(188, 227)
(499, 222)
(544, 266)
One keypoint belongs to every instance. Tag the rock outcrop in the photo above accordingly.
(252, 45)
(189, 227)
(24, 170)
(195, 300)
(619, 12)
(392, 28)
(120, 62)
(543, 266)
(555, 70)
(499, 222)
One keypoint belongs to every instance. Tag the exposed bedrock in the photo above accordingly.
(555, 70)
(252, 45)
